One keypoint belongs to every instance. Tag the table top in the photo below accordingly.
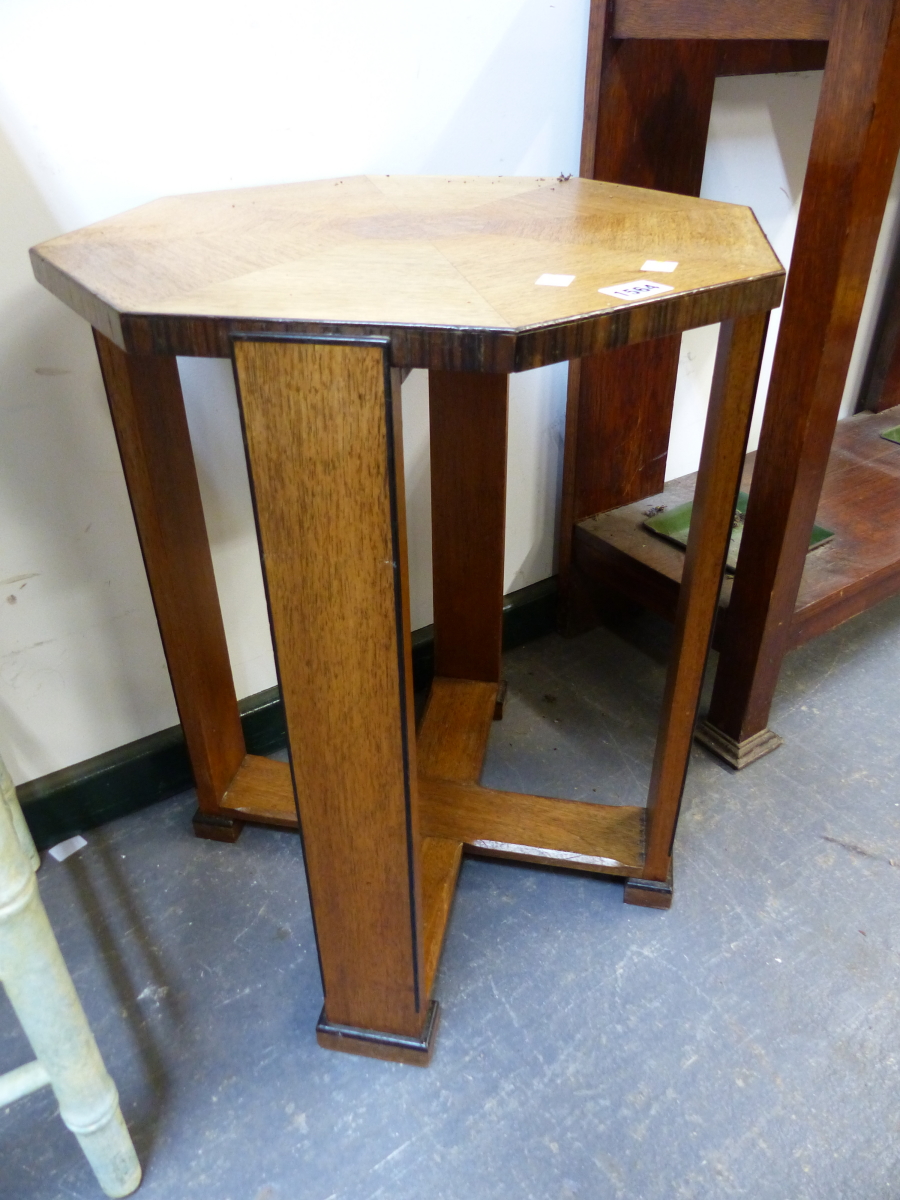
(465, 272)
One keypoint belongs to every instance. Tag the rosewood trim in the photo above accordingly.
(371, 1043)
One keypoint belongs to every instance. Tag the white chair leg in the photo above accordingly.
(40, 989)
(23, 833)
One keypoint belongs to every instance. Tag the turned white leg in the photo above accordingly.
(44, 999)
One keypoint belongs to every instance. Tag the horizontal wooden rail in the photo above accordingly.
(608, 839)
(797, 20)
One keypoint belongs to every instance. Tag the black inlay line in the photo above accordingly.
(401, 666)
(382, 1039)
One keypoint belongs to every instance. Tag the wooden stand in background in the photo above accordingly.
(652, 65)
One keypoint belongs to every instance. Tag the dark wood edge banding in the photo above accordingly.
(215, 828)
(649, 893)
(373, 1044)
(436, 347)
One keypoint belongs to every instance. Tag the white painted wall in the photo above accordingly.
(105, 105)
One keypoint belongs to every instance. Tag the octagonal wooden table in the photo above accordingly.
(322, 294)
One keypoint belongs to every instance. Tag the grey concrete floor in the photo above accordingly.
(743, 1044)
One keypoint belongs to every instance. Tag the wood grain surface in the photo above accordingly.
(851, 165)
(766, 19)
(637, 427)
(441, 860)
(468, 415)
(262, 791)
(647, 107)
(646, 117)
(447, 268)
(724, 444)
(860, 502)
(151, 428)
(455, 728)
(566, 833)
(851, 162)
(320, 439)
(617, 551)
(769, 58)
(881, 388)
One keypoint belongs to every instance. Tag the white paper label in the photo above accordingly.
(554, 280)
(638, 289)
(665, 267)
(62, 850)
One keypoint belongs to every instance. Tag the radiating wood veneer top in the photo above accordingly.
(445, 267)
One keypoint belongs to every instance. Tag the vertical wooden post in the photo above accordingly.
(468, 520)
(647, 109)
(724, 444)
(151, 428)
(323, 442)
(851, 164)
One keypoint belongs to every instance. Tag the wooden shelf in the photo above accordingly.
(860, 501)
(262, 794)
(604, 838)
(457, 813)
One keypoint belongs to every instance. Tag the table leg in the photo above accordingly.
(151, 428)
(468, 414)
(724, 445)
(322, 430)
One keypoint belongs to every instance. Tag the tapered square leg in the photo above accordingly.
(724, 445)
(468, 416)
(147, 408)
(321, 423)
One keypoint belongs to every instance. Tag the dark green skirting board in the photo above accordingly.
(138, 774)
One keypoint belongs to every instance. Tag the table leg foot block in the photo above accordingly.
(390, 1047)
(216, 829)
(649, 893)
(737, 754)
(500, 701)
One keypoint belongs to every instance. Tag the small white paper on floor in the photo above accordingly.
(652, 265)
(638, 289)
(62, 850)
(554, 281)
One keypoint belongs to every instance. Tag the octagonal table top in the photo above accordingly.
(472, 273)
